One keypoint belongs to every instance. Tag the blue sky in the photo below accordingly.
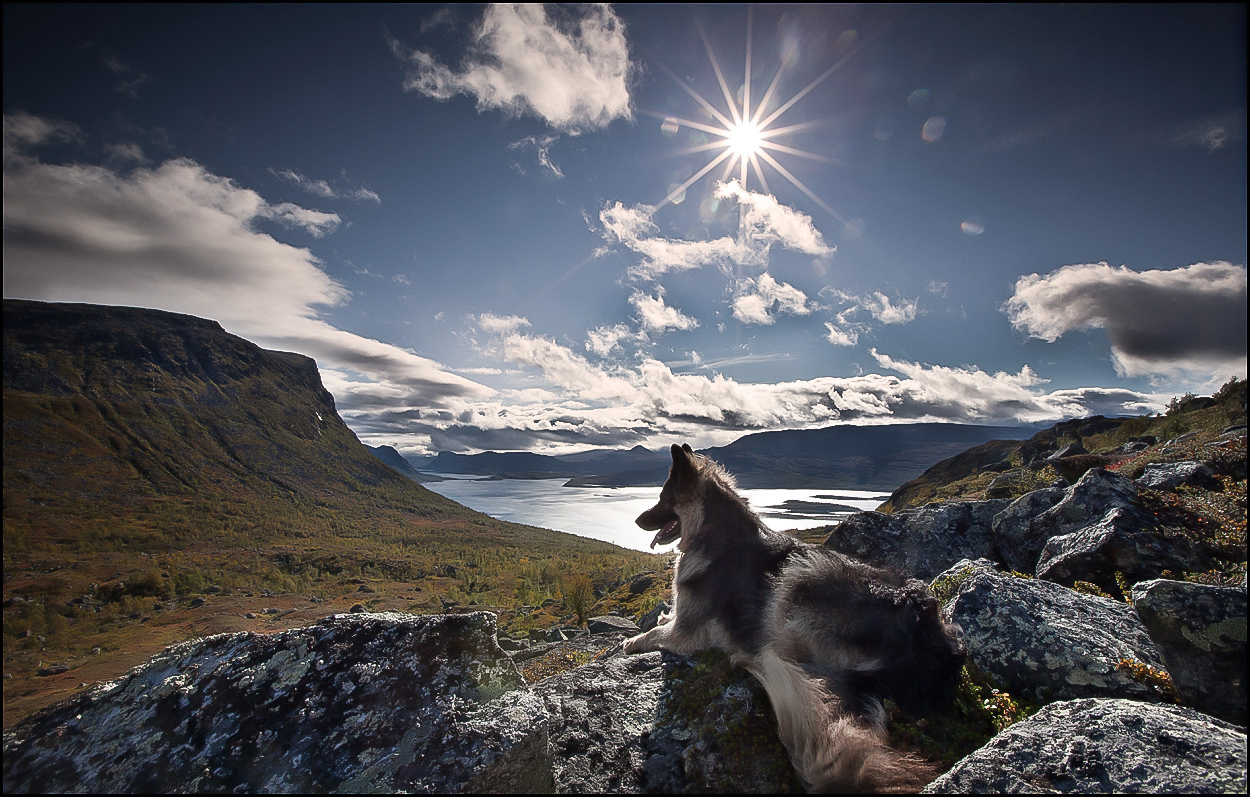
(492, 227)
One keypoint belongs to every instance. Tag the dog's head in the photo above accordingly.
(663, 518)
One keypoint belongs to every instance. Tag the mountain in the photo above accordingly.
(392, 457)
(845, 457)
(114, 413)
(122, 403)
(850, 457)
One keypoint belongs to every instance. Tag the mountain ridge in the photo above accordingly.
(879, 457)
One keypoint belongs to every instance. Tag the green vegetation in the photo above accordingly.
(978, 712)
(967, 475)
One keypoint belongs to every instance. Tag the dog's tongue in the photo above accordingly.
(667, 528)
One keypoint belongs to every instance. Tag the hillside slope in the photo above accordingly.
(164, 479)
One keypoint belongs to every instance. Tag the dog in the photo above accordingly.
(827, 636)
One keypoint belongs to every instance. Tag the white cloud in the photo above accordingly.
(569, 401)
(1181, 323)
(841, 335)
(23, 132)
(315, 222)
(322, 188)
(656, 317)
(542, 148)
(764, 222)
(627, 224)
(845, 330)
(756, 299)
(179, 238)
(886, 311)
(604, 340)
(571, 67)
(767, 221)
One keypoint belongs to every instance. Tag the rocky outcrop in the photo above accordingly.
(1200, 631)
(1089, 531)
(1043, 641)
(920, 542)
(358, 702)
(1105, 747)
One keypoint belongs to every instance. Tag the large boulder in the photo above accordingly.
(663, 724)
(1017, 540)
(1090, 532)
(921, 542)
(1021, 531)
(358, 702)
(1093, 746)
(1124, 541)
(1200, 631)
(1170, 475)
(1044, 641)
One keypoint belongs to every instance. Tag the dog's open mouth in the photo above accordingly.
(667, 533)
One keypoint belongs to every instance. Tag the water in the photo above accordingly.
(607, 513)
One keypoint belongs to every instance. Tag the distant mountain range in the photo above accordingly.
(847, 457)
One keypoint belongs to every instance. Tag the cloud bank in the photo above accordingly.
(569, 67)
(1181, 323)
(561, 399)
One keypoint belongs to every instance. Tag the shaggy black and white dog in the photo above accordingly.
(828, 637)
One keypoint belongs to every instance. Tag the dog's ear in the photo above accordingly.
(684, 470)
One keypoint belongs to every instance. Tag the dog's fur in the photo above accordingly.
(827, 636)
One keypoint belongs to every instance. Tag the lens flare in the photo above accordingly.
(743, 135)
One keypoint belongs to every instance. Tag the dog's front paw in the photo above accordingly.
(638, 644)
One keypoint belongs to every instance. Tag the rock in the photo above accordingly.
(52, 669)
(609, 623)
(1170, 475)
(1200, 631)
(1017, 538)
(921, 542)
(660, 723)
(1044, 641)
(1105, 746)
(640, 585)
(512, 645)
(1124, 541)
(601, 717)
(1089, 532)
(652, 618)
(1070, 450)
(1005, 484)
(377, 702)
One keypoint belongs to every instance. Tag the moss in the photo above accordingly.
(977, 713)
(744, 743)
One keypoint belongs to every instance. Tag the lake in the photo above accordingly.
(607, 513)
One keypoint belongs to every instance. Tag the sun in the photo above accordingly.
(743, 137)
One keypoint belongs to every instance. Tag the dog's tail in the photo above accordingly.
(832, 750)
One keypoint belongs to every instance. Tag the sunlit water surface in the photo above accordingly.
(607, 513)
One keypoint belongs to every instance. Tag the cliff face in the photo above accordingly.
(125, 402)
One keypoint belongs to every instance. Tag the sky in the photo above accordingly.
(551, 229)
